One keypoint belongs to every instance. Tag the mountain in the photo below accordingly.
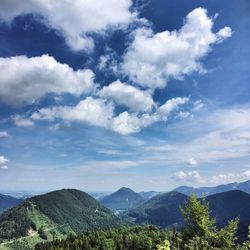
(163, 210)
(205, 191)
(122, 200)
(58, 212)
(229, 205)
(149, 194)
(7, 202)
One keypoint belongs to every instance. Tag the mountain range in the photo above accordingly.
(164, 210)
(61, 212)
(205, 191)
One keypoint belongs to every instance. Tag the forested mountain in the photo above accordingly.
(7, 202)
(56, 213)
(201, 191)
(229, 205)
(122, 200)
(163, 210)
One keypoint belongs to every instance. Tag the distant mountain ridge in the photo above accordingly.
(122, 200)
(7, 202)
(205, 191)
(164, 210)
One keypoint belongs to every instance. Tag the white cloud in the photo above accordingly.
(191, 161)
(3, 134)
(4, 167)
(192, 176)
(198, 105)
(73, 19)
(109, 62)
(123, 94)
(3, 160)
(184, 115)
(96, 112)
(22, 121)
(100, 112)
(213, 138)
(126, 123)
(152, 59)
(24, 80)
(171, 105)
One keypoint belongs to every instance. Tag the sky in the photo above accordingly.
(147, 94)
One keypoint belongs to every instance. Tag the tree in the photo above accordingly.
(164, 246)
(42, 234)
(200, 231)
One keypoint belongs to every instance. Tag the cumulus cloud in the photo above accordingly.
(192, 176)
(123, 94)
(152, 59)
(3, 161)
(171, 105)
(3, 134)
(100, 112)
(92, 111)
(126, 123)
(191, 161)
(24, 80)
(21, 121)
(73, 19)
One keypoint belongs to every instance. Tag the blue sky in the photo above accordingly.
(145, 94)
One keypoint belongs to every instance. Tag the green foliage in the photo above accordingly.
(164, 246)
(200, 231)
(42, 234)
(15, 222)
(125, 238)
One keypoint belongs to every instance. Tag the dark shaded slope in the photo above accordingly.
(229, 205)
(7, 202)
(162, 210)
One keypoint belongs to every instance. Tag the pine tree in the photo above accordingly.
(200, 231)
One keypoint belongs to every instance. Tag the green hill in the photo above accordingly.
(55, 213)
(122, 200)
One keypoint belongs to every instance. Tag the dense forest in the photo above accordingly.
(199, 232)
